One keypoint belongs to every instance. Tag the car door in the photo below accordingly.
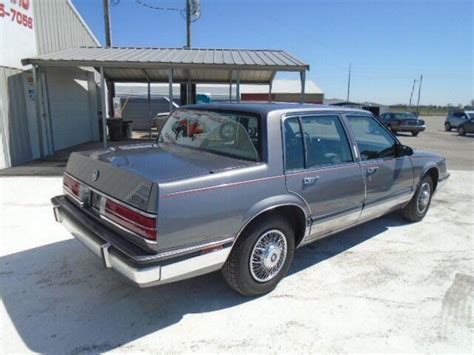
(469, 126)
(389, 178)
(321, 169)
(459, 118)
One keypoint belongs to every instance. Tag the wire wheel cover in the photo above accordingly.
(268, 255)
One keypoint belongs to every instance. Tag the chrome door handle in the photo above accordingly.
(310, 180)
(372, 169)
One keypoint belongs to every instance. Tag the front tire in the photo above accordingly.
(417, 208)
(447, 126)
(414, 133)
(461, 131)
(261, 257)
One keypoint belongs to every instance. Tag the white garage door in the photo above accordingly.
(72, 120)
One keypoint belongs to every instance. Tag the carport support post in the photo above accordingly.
(170, 90)
(149, 105)
(270, 91)
(103, 97)
(237, 91)
(303, 79)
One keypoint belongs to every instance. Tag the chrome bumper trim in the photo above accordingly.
(410, 128)
(144, 276)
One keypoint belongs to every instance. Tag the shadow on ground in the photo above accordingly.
(60, 299)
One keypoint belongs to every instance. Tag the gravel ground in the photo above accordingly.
(384, 286)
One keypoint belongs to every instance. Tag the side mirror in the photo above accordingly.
(403, 150)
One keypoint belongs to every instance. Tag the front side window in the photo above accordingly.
(225, 133)
(373, 140)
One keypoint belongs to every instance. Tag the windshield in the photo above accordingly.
(405, 116)
(225, 133)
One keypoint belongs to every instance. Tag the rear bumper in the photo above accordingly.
(146, 269)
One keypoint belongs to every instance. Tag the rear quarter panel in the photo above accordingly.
(218, 206)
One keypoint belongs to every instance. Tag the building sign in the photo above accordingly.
(17, 32)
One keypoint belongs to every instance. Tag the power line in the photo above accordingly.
(194, 9)
(160, 8)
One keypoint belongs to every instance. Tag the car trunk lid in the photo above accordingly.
(132, 173)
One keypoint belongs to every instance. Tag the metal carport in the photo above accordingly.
(181, 65)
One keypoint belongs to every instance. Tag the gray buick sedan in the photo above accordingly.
(237, 187)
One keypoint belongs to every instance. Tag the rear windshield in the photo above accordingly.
(225, 133)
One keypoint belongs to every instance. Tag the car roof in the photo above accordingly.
(266, 107)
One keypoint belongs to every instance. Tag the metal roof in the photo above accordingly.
(200, 65)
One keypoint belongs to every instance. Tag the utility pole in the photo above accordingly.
(411, 95)
(419, 94)
(188, 23)
(349, 83)
(188, 89)
(108, 43)
(108, 35)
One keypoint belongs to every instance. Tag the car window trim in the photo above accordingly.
(299, 115)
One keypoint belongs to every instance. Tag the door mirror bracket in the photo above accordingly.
(403, 150)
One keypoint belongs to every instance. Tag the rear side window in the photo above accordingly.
(325, 141)
(373, 140)
(294, 152)
(314, 141)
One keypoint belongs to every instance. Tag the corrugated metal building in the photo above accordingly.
(67, 113)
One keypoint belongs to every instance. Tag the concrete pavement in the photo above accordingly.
(384, 286)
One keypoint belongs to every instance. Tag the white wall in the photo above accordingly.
(17, 33)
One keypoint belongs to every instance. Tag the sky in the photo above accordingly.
(389, 43)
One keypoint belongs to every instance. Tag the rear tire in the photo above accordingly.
(447, 126)
(420, 203)
(261, 257)
(461, 131)
(414, 133)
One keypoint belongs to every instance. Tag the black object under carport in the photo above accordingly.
(114, 126)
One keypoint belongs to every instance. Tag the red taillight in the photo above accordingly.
(134, 221)
(72, 185)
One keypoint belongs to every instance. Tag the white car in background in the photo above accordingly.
(456, 118)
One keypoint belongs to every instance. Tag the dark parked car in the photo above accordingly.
(237, 187)
(456, 118)
(466, 127)
(403, 122)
